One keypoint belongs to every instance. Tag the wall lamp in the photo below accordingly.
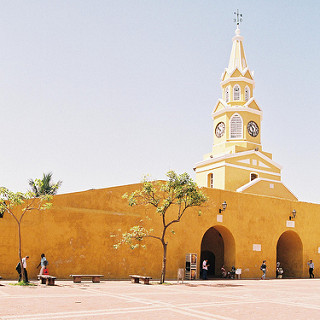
(224, 206)
(293, 214)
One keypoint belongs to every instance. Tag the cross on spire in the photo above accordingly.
(239, 17)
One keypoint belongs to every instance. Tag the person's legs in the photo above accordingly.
(41, 270)
(26, 275)
(310, 272)
(264, 274)
(204, 274)
(20, 276)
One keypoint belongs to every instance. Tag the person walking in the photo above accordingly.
(205, 269)
(263, 268)
(311, 267)
(43, 263)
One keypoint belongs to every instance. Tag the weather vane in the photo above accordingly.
(239, 17)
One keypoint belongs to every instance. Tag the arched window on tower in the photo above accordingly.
(236, 127)
(236, 92)
(210, 180)
(253, 176)
(227, 94)
(247, 93)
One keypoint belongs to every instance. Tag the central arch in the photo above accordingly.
(290, 254)
(218, 246)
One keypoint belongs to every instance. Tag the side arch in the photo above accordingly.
(218, 246)
(290, 254)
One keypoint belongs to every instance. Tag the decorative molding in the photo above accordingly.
(251, 183)
(237, 79)
(224, 164)
(236, 109)
(233, 141)
(247, 161)
(261, 164)
(224, 157)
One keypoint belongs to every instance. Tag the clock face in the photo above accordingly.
(220, 129)
(253, 128)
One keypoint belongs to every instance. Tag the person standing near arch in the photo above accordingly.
(263, 268)
(311, 267)
(205, 269)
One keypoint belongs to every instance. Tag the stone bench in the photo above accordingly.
(46, 279)
(136, 279)
(78, 277)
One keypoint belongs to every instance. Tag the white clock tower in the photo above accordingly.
(237, 161)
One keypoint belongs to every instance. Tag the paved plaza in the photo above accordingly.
(218, 299)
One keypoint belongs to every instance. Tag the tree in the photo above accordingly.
(46, 186)
(17, 204)
(178, 193)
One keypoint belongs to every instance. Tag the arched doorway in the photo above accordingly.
(218, 247)
(289, 254)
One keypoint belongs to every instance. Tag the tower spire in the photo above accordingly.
(237, 57)
(238, 18)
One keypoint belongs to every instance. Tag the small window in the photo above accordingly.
(227, 94)
(247, 93)
(236, 93)
(210, 180)
(236, 127)
(253, 176)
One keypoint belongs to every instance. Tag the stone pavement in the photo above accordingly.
(216, 299)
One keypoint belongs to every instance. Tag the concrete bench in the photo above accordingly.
(136, 279)
(46, 279)
(78, 277)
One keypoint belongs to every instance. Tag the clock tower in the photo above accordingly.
(237, 161)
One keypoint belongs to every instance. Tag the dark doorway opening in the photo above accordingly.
(290, 255)
(218, 247)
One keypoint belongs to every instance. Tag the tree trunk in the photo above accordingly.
(164, 262)
(20, 255)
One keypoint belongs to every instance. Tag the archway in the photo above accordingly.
(290, 255)
(218, 246)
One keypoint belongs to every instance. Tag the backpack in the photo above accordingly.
(18, 267)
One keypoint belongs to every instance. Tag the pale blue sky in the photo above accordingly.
(103, 92)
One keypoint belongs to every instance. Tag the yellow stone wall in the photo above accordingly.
(75, 235)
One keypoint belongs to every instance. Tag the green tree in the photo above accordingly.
(17, 204)
(46, 187)
(178, 193)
